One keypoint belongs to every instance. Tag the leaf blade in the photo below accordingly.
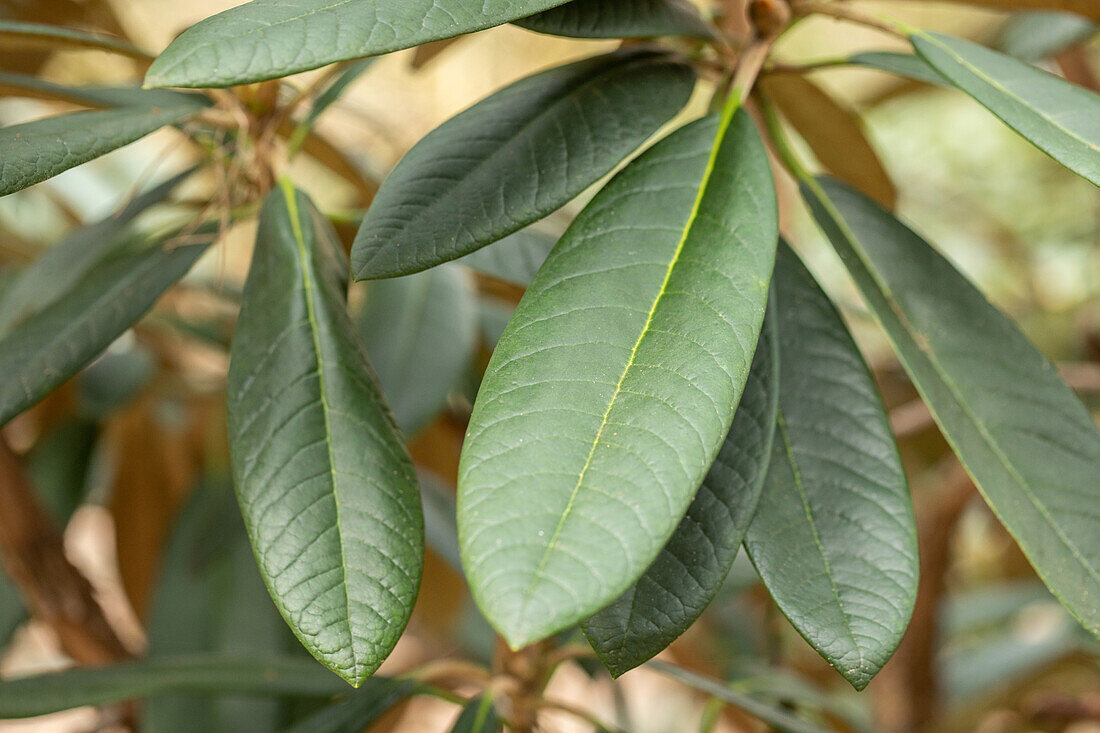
(620, 19)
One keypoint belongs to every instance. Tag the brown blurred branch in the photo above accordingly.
(54, 591)
(1076, 66)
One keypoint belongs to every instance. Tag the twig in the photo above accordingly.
(843, 12)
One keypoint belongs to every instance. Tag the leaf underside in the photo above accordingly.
(618, 19)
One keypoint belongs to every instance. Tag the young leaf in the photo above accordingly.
(1035, 36)
(1027, 441)
(34, 151)
(515, 157)
(266, 39)
(359, 710)
(421, 334)
(691, 568)
(514, 259)
(62, 338)
(16, 33)
(479, 716)
(833, 537)
(1059, 118)
(834, 134)
(325, 485)
(615, 383)
(620, 19)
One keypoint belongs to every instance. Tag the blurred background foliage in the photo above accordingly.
(130, 457)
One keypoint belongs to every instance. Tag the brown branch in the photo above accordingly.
(54, 591)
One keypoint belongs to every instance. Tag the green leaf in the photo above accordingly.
(34, 151)
(62, 338)
(42, 694)
(479, 716)
(515, 157)
(833, 537)
(325, 485)
(1059, 118)
(359, 710)
(900, 64)
(421, 335)
(1027, 441)
(440, 530)
(1035, 36)
(614, 385)
(620, 19)
(326, 99)
(266, 39)
(691, 568)
(23, 85)
(514, 259)
(15, 33)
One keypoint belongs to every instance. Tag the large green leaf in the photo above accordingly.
(514, 259)
(616, 381)
(1059, 118)
(326, 487)
(691, 568)
(421, 334)
(265, 39)
(34, 151)
(357, 711)
(1028, 442)
(62, 338)
(620, 19)
(515, 157)
(833, 536)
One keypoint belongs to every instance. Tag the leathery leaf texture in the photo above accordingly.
(620, 19)
(1026, 440)
(515, 157)
(689, 571)
(616, 380)
(326, 488)
(833, 537)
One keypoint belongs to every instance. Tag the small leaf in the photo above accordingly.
(833, 537)
(204, 674)
(834, 133)
(1035, 36)
(1029, 444)
(479, 716)
(266, 39)
(514, 259)
(359, 710)
(620, 19)
(325, 485)
(62, 338)
(421, 335)
(691, 568)
(615, 382)
(908, 65)
(515, 157)
(1059, 118)
(21, 33)
(34, 151)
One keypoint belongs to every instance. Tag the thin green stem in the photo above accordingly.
(782, 145)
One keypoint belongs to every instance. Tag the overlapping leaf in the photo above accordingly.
(620, 19)
(515, 157)
(359, 710)
(1028, 442)
(1035, 36)
(23, 85)
(614, 385)
(325, 485)
(833, 536)
(265, 39)
(902, 64)
(514, 259)
(1059, 118)
(691, 568)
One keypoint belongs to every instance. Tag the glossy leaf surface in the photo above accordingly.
(515, 157)
(615, 383)
(620, 19)
(325, 485)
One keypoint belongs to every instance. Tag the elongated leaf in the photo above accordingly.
(1028, 442)
(23, 85)
(689, 571)
(196, 674)
(620, 19)
(1035, 36)
(834, 133)
(16, 32)
(902, 64)
(514, 259)
(440, 530)
(1059, 118)
(515, 157)
(479, 716)
(326, 487)
(615, 383)
(61, 339)
(265, 39)
(35, 151)
(326, 99)
(359, 710)
(833, 536)
(421, 334)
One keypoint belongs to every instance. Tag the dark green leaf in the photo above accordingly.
(833, 536)
(514, 259)
(479, 716)
(440, 530)
(326, 487)
(265, 39)
(614, 385)
(515, 157)
(15, 32)
(1059, 118)
(61, 339)
(1028, 442)
(620, 19)
(1034, 36)
(197, 674)
(691, 568)
(901, 64)
(421, 334)
(359, 710)
(34, 151)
